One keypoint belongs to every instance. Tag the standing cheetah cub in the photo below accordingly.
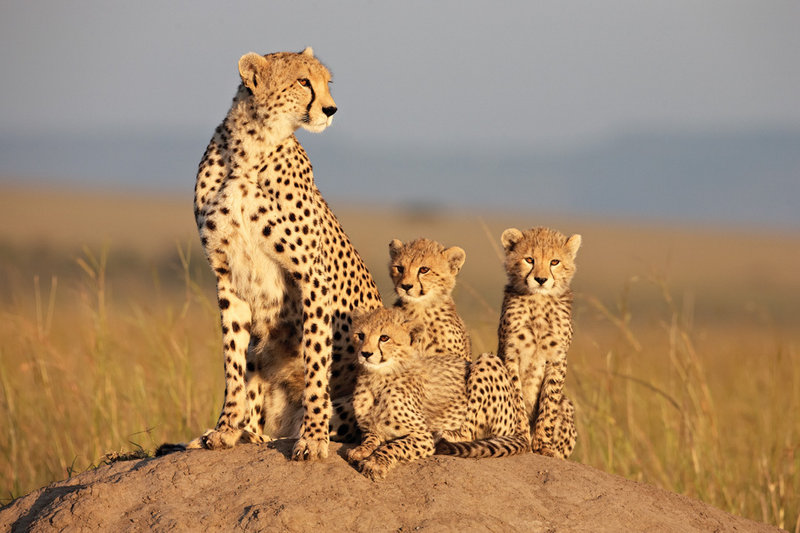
(404, 401)
(424, 274)
(287, 275)
(536, 330)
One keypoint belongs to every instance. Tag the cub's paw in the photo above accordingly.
(310, 449)
(545, 450)
(358, 453)
(220, 439)
(374, 469)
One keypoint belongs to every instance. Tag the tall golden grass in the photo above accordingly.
(683, 386)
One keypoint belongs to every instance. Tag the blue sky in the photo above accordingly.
(418, 72)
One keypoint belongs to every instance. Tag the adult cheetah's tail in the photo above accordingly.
(491, 447)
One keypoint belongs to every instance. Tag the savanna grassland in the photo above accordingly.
(685, 365)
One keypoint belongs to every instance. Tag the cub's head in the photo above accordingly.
(539, 260)
(424, 269)
(384, 338)
(288, 89)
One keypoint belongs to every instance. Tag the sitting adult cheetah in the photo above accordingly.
(424, 274)
(287, 275)
(405, 401)
(535, 332)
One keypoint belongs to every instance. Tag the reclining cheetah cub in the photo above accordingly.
(404, 401)
(536, 330)
(424, 274)
(287, 275)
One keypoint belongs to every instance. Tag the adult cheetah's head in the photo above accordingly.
(384, 338)
(288, 89)
(539, 260)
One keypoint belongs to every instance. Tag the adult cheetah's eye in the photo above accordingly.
(424, 270)
(384, 338)
(304, 82)
(529, 260)
(554, 262)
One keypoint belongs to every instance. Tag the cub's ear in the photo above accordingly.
(415, 330)
(510, 237)
(357, 314)
(572, 245)
(455, 258)
(394, 247)
(308, 51)
(252, 68)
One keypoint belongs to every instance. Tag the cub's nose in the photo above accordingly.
(329, 111)
(405, 286)
(540, 281)
(366, 355)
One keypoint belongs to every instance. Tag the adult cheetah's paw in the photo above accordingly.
(374, 469)
(310, 449)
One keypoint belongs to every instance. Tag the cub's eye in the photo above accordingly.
(304, 82)
(554, 262)
(384, 338)
(399, 269)
(529, 260)
(424, 270)
(360, 336)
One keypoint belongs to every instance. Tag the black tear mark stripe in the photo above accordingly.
(313, 95)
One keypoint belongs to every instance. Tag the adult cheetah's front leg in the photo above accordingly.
(235, 315)
(317, 355)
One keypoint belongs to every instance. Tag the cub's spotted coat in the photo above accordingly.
(424, 274)
(287, 275)
(405, 401)
(536, 330)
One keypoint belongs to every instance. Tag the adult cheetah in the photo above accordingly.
(287, 276)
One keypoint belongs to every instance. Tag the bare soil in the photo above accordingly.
(257, 488)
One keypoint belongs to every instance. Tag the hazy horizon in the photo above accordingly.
(667, 110)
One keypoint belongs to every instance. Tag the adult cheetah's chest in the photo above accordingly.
(260, 215)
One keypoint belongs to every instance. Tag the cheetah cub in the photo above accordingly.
(404, 401)
(424, 274)
(536, 330)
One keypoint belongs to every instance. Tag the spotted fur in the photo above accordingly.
(535, 332)
(405, 401)
(424, 275)
(287, 275)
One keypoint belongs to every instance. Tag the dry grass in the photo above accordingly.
(684, 368)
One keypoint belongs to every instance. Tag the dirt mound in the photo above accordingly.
(256, 488)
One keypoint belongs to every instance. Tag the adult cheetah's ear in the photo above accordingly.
(251, 69)
(394, 247)
(572, 245)
(510, 237)
(455, 258)
(308, 51)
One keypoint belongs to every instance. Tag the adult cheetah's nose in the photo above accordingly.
(541, 281)
(366, 355)
(329, 110)
(405, 286)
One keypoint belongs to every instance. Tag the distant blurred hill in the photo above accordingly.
(746, 177)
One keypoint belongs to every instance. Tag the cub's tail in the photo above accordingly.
(491, 447)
